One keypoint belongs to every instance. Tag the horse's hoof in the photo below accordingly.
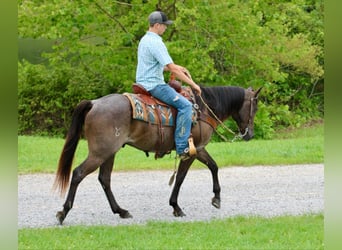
(178, 213)
(60, 217)
(125, 215)
(216, 202)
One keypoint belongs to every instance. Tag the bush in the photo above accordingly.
(47, 97)
(278, 46)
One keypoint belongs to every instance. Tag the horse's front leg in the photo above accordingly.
(181, 173)
(204, 157)
(104, 178)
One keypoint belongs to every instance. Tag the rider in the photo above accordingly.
(153, 59)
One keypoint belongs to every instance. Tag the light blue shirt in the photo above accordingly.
(152, 58)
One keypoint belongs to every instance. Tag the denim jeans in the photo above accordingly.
(184, 115)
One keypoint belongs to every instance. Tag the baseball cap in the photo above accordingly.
(159, 17)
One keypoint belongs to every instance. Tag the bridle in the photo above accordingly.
(251, 100)
(239, 135)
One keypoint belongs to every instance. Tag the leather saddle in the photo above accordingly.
(159, 107)
(149, 109)
(149, 99)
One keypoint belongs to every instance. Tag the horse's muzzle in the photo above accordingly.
(248, 136)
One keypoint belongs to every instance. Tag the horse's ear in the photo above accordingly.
(250, 89)
(257, 92)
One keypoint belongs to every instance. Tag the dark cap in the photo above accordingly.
(159, 17)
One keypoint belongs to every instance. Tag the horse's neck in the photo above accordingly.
(223, 102)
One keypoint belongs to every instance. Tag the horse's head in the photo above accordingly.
(245, 116)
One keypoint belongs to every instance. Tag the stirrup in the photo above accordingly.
(192, 148)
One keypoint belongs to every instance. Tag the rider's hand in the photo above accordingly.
(197, 89)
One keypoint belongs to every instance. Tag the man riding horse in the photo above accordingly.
(153, 59)
(108, 124)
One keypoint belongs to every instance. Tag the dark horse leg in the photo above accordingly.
(204, 157)
(181, 173)
(104, 178)
(85, 168)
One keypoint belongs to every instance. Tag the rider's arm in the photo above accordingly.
(183, 74)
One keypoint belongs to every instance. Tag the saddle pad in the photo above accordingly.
(152, 112)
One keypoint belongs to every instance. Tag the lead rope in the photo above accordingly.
(172, 178)
(236, 136)
(187, 73)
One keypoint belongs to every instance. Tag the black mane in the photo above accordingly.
(222, 100)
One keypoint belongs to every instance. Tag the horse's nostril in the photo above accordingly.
(248, 137)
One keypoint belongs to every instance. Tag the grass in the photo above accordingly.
(286, 232)
(305, 145)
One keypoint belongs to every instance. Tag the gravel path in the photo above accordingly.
(260, 190)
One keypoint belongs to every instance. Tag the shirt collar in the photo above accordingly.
(150, 33)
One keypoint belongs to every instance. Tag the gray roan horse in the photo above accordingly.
(108, 126)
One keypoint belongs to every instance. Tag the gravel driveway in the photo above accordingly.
(259, 190)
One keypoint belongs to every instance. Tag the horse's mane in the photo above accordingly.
(222, 99)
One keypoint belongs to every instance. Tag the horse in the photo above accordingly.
(108, 125)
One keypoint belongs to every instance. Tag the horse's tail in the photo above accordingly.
(70, 145)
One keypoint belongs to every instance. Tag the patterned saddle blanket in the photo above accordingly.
(153, 111)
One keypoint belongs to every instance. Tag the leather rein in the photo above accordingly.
(237, 136)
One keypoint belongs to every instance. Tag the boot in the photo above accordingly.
(192, 148)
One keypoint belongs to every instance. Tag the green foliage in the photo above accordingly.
(274, 44)
(47, 97)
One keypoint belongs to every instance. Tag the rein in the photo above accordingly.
(237, 136)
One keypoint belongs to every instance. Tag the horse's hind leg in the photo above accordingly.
(204, 157)
(104, 178)
(85, 168)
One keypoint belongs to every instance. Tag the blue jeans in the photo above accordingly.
(184, 115)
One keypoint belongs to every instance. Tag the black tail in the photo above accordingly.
(70, 145)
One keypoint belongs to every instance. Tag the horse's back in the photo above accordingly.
(110, 108)
(111, 101)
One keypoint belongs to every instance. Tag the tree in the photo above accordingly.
(275, 44)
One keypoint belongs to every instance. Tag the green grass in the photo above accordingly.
(305, 145)
(287, 232)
